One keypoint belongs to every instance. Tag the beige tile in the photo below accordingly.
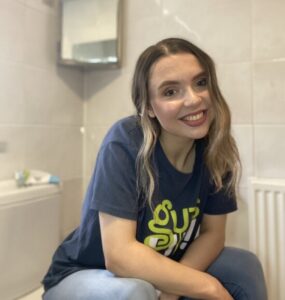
(107, 98)
(71, 164)
(144, 27)
(13, 158)
(135, 10)
(67, 103)
(39, 95)
(223, 28)
(12, 15)
(46, 6)
(93, 138)
(71, 205)
(43, 150)
(243, 135)
(57, 150)
(40, 39)
(12, 102)
(22, 1)
(268, 32)
(269, 151)
(269, 92)
(237, 224)
(236, 85)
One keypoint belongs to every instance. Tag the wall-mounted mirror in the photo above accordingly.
(90, 33)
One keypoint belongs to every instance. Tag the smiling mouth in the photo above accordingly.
(193, 117)
(196, 119)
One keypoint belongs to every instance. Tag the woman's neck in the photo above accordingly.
(179, 151)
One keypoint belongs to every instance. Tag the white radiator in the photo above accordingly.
(266, 231)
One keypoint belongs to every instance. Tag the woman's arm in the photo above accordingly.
(127, 257)
(205, 249)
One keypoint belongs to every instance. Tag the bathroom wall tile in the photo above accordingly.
(236, 85)
(39, 94)
(107, 97)
(143, 9)
(243, 135)
(269, 92)
(269, 151)
(93, 138)
(144, 27)
(268, 35)
(57, 150)
(131, 52)
(237, 224)
(70, 205)
(12, 158)
(40, 39)
(21, 1)
(216, 26)
(12, 15)
(12, 102)
(72, 143)
(34, 92)
(44, 6)
(67, 102)
(44, 151)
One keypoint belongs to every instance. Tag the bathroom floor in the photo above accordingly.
(36, 295)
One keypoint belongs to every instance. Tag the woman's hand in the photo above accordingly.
(165, 296)
(220, 294)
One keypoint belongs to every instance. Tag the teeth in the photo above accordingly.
(194, 117)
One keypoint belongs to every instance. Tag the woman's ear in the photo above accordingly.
(150, 112)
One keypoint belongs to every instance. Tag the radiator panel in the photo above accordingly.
(266, 231)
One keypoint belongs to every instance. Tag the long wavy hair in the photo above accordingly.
(221, 154)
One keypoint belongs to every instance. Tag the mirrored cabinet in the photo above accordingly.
(91, 33)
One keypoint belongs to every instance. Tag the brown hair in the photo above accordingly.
(221, 154)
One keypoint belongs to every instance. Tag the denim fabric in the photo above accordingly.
(241, 274)
(238, 270)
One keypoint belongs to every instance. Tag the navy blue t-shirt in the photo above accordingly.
(179, 203)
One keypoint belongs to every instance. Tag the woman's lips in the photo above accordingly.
(195, 119)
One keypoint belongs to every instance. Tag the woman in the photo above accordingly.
(153, 222)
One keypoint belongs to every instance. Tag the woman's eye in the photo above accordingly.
(170, 92)
(202, 82)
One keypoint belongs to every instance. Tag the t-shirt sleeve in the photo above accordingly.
(219, 202)
(114, 182)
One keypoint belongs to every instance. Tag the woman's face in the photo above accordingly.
(179, 97)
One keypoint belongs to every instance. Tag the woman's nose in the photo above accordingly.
(192, 97)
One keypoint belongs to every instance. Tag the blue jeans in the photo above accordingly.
(238, 270)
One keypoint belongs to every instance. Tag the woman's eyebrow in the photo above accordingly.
(200, 74)
(176, 82)
(167, 83)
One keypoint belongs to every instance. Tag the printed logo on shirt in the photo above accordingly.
(167, 235)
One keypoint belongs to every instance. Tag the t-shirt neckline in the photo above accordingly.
(167, 164)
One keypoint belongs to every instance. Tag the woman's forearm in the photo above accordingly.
(203, 251)
(139, 261)
(200, 254)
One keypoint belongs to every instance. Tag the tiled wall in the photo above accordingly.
(41, 107)
(246, 40)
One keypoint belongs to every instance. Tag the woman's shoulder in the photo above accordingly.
(126, 131)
